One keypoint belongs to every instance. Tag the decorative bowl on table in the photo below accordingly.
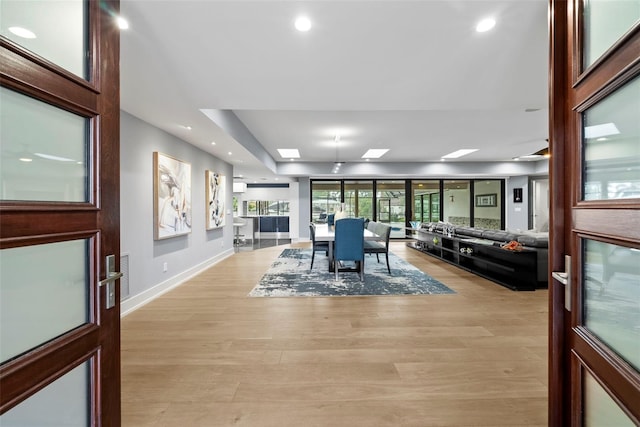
(512, 246)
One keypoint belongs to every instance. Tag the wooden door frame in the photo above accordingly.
(571, 91)
(30, 223)
(559, 218)
(109, 189)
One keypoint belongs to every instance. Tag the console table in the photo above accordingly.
(515, 270)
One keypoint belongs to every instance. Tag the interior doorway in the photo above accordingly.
(539, 212)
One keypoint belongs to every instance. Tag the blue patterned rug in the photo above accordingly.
(290, 276)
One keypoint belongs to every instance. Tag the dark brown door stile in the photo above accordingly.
(93, 225)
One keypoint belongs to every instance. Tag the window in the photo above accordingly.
(325, 199)
(358, 198)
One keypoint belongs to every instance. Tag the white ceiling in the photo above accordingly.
(411, 76)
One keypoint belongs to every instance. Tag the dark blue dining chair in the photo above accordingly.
(316, 246)
(349, 244)
(330, 218)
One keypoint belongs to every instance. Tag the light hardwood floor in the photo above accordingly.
(205, 354)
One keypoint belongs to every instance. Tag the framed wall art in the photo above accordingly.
(486, 200)
(215, 194)
(172, 196)
(517, 195)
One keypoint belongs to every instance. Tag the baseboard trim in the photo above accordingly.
(135, 302)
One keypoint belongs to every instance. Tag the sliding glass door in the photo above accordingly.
(325, 199)
(391, 201)
(358, 198)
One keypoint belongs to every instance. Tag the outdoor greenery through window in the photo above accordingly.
(408, 203)
(325, 199)
(426, 201)
(358, 198)
(391, 206)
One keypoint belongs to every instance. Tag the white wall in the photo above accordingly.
(184, 255)
(517, 213)
(260, 193)
(304, 207)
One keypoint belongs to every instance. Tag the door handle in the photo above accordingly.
(564, 277)
(561, 277)
(110, 281)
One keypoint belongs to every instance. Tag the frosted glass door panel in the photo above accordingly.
(599, 408)
(54, 30)
(44, 151)
(611, 278)
(605, 21)
(44, 292)
(64, 402)
(611, 145)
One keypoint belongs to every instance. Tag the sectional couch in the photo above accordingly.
(538, 241)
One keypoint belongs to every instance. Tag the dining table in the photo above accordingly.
(327, 233)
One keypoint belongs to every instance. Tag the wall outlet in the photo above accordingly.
(164, 267)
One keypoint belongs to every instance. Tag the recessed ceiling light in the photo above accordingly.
(303, 24)
(375, 153)
(368, 160)
(229, 153)
(291, 153)
(485, 25)
(213, 143)
(459, 153)
(22, 32)
(291, 160)
(122, 23)
(25, 159)
(185, 127)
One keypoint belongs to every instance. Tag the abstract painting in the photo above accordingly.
(214, 184)
(172, 196)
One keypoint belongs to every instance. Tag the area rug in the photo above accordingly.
(290, 276)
